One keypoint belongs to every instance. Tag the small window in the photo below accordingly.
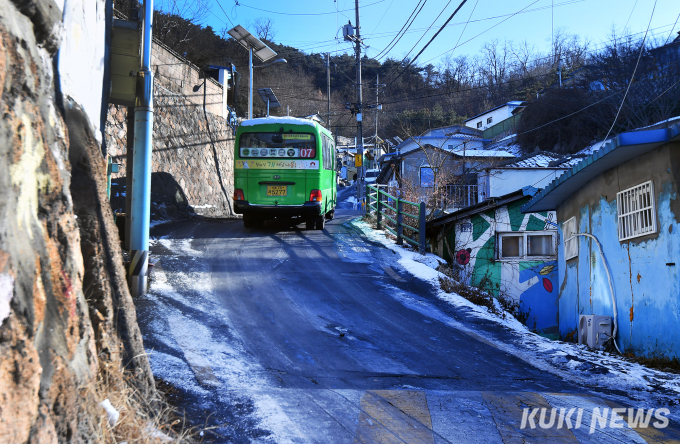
(489, 120)
(427, 177)
(479, 124)
(511, 246)
(570, 241)
(526, 245)
(637, 216)
(540, 245)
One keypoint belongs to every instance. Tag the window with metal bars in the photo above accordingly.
(636, 212)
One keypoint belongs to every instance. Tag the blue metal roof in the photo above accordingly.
(624, 147)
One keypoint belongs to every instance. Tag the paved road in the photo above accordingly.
(286, 335)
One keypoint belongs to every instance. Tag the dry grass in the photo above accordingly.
(656, 362)
(143, 419)
(479, 296)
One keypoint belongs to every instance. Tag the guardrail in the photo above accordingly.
(379, 200)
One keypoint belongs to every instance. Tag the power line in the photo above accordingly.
(672, 29)
(642, 47)
(428, 29)
(307, 13)
(483, 32)
(400, 31)
(225, 12)
(428, 43)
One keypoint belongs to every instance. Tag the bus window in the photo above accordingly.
(277, 145)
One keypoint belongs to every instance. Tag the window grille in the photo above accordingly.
(636, 211)
(570, 242)
(489, 120)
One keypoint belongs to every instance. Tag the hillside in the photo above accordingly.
(417, 97)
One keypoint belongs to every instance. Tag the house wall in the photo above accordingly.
(471, 245)
(644, 270)
(498, 182)
(411, 163)
(498, 115)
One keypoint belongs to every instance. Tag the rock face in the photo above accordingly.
(65, 311)
(193, 157)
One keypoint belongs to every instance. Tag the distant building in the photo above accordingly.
(451, 156)
(623, 197)
(535, 170)
(493, 116)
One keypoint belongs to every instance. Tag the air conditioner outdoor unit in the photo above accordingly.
(594, 330)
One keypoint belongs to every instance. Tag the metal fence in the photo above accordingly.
(460, 196)
(389, 212)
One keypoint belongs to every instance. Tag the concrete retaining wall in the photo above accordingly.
(192, 157)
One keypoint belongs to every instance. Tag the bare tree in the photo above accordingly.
(264, 28)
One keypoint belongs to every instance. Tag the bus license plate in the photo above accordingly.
(276, 190)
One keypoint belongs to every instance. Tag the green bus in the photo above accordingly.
(284, 167)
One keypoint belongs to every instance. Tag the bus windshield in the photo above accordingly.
(277, 145)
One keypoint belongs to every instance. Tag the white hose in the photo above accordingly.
(611, 286)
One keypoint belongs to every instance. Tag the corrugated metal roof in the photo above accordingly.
(484, 205)
(541, 160)
(624, 147)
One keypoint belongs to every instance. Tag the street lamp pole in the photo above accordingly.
(250, 83)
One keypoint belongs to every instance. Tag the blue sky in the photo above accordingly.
(489, 19)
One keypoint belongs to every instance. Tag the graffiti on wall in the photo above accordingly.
(529, 281)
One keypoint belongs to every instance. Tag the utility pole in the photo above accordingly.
(328, 81)
(377, 100)
(360, 130)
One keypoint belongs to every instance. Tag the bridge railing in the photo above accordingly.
(389, 212)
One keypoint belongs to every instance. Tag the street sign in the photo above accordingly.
(357, 160)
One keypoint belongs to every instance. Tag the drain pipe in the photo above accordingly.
(609, 279)
(141, 176)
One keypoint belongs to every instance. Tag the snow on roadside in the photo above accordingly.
(201, 350)
(570, 361)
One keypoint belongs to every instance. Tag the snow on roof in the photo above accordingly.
(594, 146)
(482, 153)
(570, 161)
(278, 121)
(541, 160)
(659, 123)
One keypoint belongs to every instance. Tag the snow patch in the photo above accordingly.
(278, 121)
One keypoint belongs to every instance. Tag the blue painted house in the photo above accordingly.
(618, 212)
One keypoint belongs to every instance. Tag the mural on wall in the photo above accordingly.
(529, 281)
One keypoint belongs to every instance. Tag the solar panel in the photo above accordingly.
(247, 40)
(268, 96)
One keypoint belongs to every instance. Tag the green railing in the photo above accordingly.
(501, 127)
(391, 217)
